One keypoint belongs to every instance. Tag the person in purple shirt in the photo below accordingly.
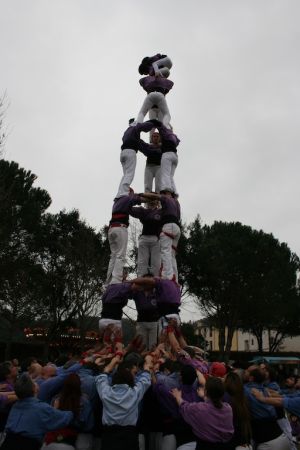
(177, 428)
(170, 233)
(129, 148)
(155, 102)
(156, 65)
(118, 236)
(168, 296)
(147, 318)
(152, 169)
(148, 260)
(114, 299)
(211, 420)
(169, 159)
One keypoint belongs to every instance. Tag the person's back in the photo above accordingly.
(30, 419)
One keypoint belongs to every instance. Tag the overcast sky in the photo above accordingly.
(69, 68)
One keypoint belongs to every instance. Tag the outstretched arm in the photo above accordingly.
(274, 401)
(150, 196)
(146, 282)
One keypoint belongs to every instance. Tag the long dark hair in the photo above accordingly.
(69, 397)
(215, 391)
(234, 387)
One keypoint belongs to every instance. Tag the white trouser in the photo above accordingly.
(163, 66)
(169, 162)
(169, 442)
(117, 238)
(128, 161)
(112, 323)
(152, 172)
(286, 428)
(156, 113)
(158, 99)
(149, 259)
(188, 446)
(280, 443)
(169, 238)
(164, 322)
(149, 332)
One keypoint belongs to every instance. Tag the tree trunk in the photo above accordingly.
(259, 338)
(228, 343)
(221, 341)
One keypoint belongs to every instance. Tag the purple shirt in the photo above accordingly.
(146, 307)
(122, 206)
(170, 209)
(150, 218)
(156, 84)
(131, 137)
(169, 140)
(117, 293)
(167, 291)
(152, 153)
(209, 423)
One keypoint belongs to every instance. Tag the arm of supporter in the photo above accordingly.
(134, 200)
(274, 401)
(172, 339)
(176, 393)
(113, 363)
(52, 386)
(142, 385)
(103, 384)
(145, 126)
(201, 378)
(137, 212)
(151, 196)
(54, 419)
(7, 397)
(144, 282)
(149, 149)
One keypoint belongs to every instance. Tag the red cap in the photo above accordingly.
(217, 369)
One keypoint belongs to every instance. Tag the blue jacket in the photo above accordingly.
(258, 410)
(32, 418)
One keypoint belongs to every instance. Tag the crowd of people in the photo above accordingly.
(158, 392)
(164, 399)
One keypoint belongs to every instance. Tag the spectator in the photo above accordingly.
(30, 419)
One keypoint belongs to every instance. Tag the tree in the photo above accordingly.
(276, 307)
(236, 271)
(74, 259)
(21, 208)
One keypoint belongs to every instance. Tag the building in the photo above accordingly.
(244, 341)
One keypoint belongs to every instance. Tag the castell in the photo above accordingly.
(155, 291)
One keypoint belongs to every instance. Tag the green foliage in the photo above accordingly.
(241, 277)
(74, 261)
(51, 266)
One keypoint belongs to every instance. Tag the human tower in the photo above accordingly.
(155, 291)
